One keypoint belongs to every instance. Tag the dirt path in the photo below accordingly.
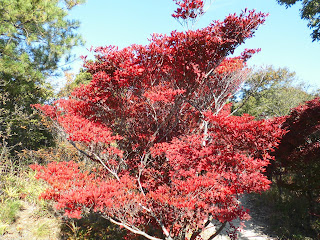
(251, 231)
(29, 227)
(254, 228)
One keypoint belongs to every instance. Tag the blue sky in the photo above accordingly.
(284, 38)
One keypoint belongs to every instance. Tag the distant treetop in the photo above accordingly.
(310, 11)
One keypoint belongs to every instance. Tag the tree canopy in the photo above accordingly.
(171, 159)
(297, 158)
(271, 92)
(34, 36)
(310, 11)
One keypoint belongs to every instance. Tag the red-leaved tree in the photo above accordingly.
(298, 155)
(155, 117)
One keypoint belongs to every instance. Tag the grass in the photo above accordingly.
(43, 229)
(3, 228)
(20, 206)
(9, 210)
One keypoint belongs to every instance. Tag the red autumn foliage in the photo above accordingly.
(302, 139)
(155, 117)
(298, 154)
(188, 9)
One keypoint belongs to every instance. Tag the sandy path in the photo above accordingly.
(27, 227)
(251, 231)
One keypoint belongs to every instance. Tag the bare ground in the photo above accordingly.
(30, 227)
(254, 229)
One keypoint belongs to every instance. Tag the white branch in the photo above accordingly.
(134, 230)
(106, 167)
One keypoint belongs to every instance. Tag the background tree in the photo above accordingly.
(310, 11)
(298, 157)
(34, 36)
(172, 159)
(74, 81)
(270, 93)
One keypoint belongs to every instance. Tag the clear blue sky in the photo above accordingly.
(284, 38)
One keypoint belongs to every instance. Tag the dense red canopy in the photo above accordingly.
(156, 119)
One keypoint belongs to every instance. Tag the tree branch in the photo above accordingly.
(218, 231)
(134, 230)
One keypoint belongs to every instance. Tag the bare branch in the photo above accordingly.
(134, 230)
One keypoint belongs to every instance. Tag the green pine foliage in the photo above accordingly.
(35, 37)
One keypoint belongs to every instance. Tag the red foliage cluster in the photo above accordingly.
(301, 142)
(156, 119)
(188, 9)
(183, 181)
(298, 154)
(74, 190)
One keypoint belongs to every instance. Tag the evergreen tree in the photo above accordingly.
(34, 36)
